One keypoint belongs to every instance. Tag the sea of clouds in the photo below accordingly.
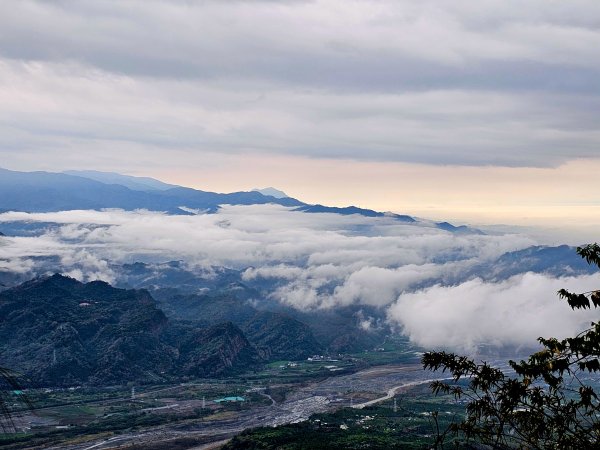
(420, 277)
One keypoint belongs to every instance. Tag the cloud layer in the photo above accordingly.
(510, 313)
(497, 82)
(418, 276)
(308, 250)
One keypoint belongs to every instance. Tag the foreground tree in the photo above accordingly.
(550, 401)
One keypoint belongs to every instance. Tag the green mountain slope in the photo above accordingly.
(58, 331)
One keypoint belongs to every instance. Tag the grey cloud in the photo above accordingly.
(17, 265)
(331, 43)
(506, 83)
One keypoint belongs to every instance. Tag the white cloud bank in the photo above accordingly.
(416, 274)
(512, 312)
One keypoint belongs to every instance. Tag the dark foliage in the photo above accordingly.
(58, 331)
(384, 432)
(219, 350)
(275, 335)
(549, 401)
(278, 336)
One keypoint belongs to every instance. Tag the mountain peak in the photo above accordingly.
(271, 191)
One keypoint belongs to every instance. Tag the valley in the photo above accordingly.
(299, 225)
(163, 414)
(249, 323)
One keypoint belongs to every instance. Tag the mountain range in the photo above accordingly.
(58, 331)
(87, 189)
(144, 184)
(48, 192)
(167, 319)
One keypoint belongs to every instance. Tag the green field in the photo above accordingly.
(83, 412)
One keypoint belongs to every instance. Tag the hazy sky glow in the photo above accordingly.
(478, 111)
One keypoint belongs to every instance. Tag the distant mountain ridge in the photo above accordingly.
(48, 192)
(271, 191)
(134, 183)
(51, 192)
(348, 210)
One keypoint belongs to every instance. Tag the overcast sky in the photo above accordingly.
(479, 111)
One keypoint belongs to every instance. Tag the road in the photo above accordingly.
(392, 392)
